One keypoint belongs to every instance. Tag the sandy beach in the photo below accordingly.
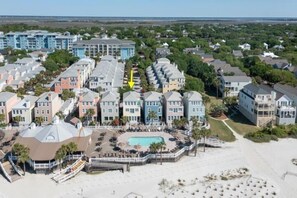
(266, 164)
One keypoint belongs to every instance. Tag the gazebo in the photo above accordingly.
(44, 141)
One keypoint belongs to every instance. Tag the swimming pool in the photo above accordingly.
(144, 141)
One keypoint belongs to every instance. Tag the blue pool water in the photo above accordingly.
(144, 141)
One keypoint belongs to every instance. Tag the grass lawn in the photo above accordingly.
(218, 128)
(241, 124)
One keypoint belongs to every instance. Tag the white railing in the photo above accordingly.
(5, 173)
(62, 175)
(144, 159)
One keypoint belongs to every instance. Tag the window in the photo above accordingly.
(110, 110)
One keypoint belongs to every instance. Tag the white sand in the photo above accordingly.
(266, 162)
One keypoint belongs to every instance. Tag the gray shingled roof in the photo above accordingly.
(4, 96)
(152, 96)
(237, 79)
(173, 96)
(256, 89)
(110, 96)
(193, 96)
(131, 96)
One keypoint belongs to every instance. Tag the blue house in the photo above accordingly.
(194, 107)
(152, 101)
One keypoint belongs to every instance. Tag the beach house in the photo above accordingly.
(193, 106)
(152, 107)
(173, 106)
(109, 107)
(132, 106)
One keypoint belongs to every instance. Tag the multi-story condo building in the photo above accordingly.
(123, 49)
(24, 110)
(108, 75)
(231, 85)
(16, 74)
(74, 77)
(109, 107)
(194, 107)
(7, 101)
(257, 104)
(131, 106)
(47, 106)
(87, 101)
(152, 102)
(37, 39)
(285, 112)
(166, 76)
(173, 106)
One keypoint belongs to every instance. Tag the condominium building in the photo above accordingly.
(21, 71)
(173, 106)
(7, 101)
(131, 106)
(109, 107)
(165, 76)
(37, 39)
(231, 85)
(152, 102)
(47, 106)
(194, 107)
(89, 101)
(74, 77)
(108, 75)
(25, 110)
(257, 104)
(123, 49)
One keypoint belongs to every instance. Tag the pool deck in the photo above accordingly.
(124, 145)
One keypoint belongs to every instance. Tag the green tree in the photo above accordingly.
(66, 94)
(22, 153)
(154, 149)
(152, 115)
(17, 119)
(196, 133)
(217, 110)
(89, 114)
(9, 89)
(124, 120)
(2, 118)
(39, 120)
(60, 115)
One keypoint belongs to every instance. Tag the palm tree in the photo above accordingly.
(22, 153)
(154, 148)
(161, 146)
(152, 115)
(196, 135)
(39, 120)
(216, 83)
(24, 157)
(226, 91)
(124, 120)
(60, 155)
(89, 114)
(205, 133)
(71, 147)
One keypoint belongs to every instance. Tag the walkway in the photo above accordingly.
(69, 171)
(260, 166)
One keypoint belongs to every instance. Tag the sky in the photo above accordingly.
(151, 8)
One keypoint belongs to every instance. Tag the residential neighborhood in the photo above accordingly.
(131, 97)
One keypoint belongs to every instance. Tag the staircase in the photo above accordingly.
(69, 171)
(9, 172)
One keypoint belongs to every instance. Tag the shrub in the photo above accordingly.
(258, 137)
(279, 132)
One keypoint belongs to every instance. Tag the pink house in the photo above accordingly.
(88, 100)
(7, 101)
(47, 106)
(68, 80)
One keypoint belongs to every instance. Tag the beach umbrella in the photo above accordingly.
(137, 147)
(121, 144)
